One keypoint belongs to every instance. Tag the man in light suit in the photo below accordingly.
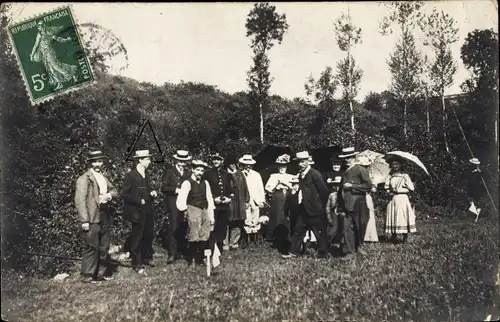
(312, 198)
(356, 183)
(257, 195)
(92, 196)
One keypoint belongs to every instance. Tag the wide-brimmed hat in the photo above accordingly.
(216, 156)
(96, 155)
(348, 152)
(139, 154)
(335, 180)
(283, 159)
(475, 161)
(182, 155)
(247, 159)
(303, 155)
(198, 163)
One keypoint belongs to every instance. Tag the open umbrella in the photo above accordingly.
(379, 169)
(410, 157)
(323, 157)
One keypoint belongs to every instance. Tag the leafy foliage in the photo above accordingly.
(323, 89)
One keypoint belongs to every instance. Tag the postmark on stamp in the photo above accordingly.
(50, 55)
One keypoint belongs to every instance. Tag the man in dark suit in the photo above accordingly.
(138, 208)
(222, 191)
(93, 192)
(312, 198)
(356, 182)
(176, 224)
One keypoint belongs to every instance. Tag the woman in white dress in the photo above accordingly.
(400, 216)
(371, 227)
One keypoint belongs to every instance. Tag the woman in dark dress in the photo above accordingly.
(277, 187)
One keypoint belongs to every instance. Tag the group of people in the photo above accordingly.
(216, 205)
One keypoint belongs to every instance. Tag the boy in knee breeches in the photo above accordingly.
(195, 198)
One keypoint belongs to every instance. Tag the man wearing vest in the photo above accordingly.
(138, 208)
(93, 192)
(196, 200)
(176, 229)
(222, 191)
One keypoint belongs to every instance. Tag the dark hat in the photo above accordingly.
(96, 155)
(216, 156)
(232, 159)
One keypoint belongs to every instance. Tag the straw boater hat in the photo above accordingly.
(348, 152)
(247, 159)
(182, 155)
(96, 155)
(335, 180)
(216, 156)
(304, 155)
(283, 159)
(475, 161)
(139, 154)
(198, 163)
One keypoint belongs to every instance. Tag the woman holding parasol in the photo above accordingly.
(400, 216)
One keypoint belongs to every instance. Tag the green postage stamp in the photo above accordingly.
(50, 54)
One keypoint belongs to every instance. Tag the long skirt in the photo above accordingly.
(371, 228)
(277, 215)
(400, 216)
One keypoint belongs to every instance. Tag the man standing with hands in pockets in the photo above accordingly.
(93, 192)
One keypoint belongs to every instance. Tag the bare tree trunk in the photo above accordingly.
(261, 123)
(445, 118)
(404, 119)
(427, 116)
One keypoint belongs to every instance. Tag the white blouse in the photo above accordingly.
(279, 181)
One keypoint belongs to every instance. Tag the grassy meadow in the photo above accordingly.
(444, 273)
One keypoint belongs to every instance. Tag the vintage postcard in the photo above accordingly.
(266, 161)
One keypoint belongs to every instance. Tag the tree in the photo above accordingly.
(426, 90)
(264, 27)
(441, 32)
(479, 54)
(405, 63)
(324, 88)
(348, 36)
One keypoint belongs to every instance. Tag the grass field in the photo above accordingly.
(445, 273)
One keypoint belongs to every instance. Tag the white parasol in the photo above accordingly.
(410, 157)
(379, 169)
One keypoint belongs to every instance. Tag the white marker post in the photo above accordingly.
(208, 252)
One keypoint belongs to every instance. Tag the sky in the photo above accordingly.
(206, 42)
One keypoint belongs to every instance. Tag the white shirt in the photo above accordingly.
(101, 182)
(302, 175)
(179, 169)
(141, 171)
(181, 202)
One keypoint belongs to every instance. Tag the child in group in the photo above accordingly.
(400, 216)
(195, 198)
(334, 218)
